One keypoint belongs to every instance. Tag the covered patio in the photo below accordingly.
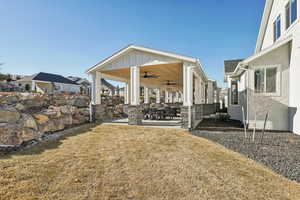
(178, 82)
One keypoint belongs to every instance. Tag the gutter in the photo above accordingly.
(245, 62)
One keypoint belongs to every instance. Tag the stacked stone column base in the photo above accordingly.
(98, 112)
(196, 116)
(135, 115)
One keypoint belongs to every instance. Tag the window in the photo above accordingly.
(277, 28)
(259, 80)
(288, 15)
(293, 10)
(265, 80)
(234, 93)
(291, 13)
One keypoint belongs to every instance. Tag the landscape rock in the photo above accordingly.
(29, 122)
(41, 119)
(14, 134)
(80, 101)
(20, 107)
(28, 116)
(9, 115)
(9, 99)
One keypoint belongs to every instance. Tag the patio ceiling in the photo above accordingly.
(171, 72)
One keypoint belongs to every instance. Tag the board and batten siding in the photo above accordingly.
(278, 8)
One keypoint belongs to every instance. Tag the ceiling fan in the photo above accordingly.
(169, 83)
(148, 76)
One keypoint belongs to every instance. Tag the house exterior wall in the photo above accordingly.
(278, 8)
(283, 107)
(277, 105)
(46, 87)
(294, 100)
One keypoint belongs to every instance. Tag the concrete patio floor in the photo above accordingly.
(168, 123)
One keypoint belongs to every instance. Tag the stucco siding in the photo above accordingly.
(294, 108)
(278, 104)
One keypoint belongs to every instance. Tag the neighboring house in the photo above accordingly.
(233, 106)
(223, 98)
(267, 81)
(48, 83)
(85, 85)
(212, 95)
(108, 88)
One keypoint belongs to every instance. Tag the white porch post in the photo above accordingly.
(146, 95)
(98, 88)
(176, 97)
(157, 95)
(210, 93)
(187, 85)
(127, 93)
(135, 85)
(93, 93)
(171, 97)
(166, 96)
(198, 90)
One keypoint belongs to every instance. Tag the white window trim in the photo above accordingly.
(281, 27)
(278, 81)
(290, 19)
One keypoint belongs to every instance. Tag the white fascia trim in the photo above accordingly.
(263, 25)
(278, 44)
(202, 70)
(133, 47)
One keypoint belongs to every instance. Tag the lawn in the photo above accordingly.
(129, 162)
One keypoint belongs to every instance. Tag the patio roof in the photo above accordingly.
(130, 48)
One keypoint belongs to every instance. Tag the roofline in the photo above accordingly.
(278, 44)
(140, 48)
(232, 60)
(263, 25)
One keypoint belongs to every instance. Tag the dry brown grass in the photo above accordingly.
(123, 162)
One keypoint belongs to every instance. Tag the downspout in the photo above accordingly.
(247, 90)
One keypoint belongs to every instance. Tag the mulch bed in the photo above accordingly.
(279, 151)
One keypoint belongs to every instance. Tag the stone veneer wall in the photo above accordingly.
(196, 118)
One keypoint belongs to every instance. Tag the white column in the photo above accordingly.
(135, 85)
(180, 97)
(157, 95)
(33, 84)
(176, 97)
(146, 95)
(166, 96)
(187, 85)
(127, 93)
(93, 93)
(198, 90)
(210, 92)
(98, 88)
(171, 97)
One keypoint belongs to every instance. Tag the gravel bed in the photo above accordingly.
(279, 151)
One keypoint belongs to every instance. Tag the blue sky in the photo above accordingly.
(69, 36)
